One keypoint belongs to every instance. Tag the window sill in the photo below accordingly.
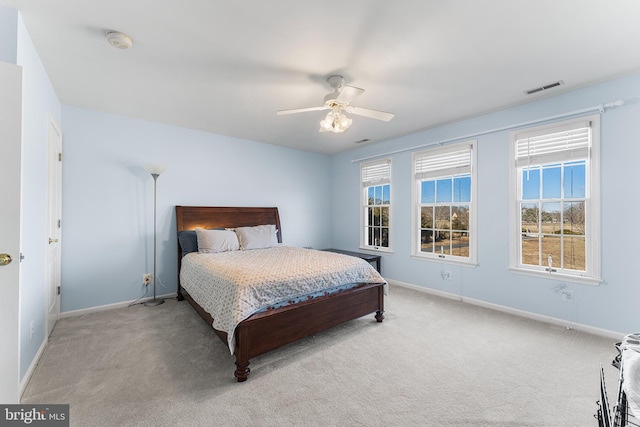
(445, 260)
(584, 280)
(369, 250)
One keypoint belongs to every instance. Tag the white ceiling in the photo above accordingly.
(227, 66)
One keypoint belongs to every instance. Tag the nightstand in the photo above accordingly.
(367, 257)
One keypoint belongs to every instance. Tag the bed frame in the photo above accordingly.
(266, 331)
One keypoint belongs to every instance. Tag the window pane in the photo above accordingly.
(370, 216)
(574, 218)
(443, 190)
(376, 216)
(426, 217)
(385, 237)
(531, 250)
(386, 194)
(378, 196)
(370, 195)
(550, 216)
(462, 189)
(551, 178)
(370, 236)
(574, 181)
(385, 216)
(460, 244)
(531, 184)
(428, 192)
(442, 241)
(426, 241)
(530, 218)
(460, 218)
(376, 236)
(551, 247)
(574, 253)
(443, 217)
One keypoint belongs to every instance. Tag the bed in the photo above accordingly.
(271, 328)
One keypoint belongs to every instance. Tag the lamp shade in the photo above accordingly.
(335, 122)
(155, 168)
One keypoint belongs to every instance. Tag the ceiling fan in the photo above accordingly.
(338, 101)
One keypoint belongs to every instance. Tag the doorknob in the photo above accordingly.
(5, 259)
(52, 240)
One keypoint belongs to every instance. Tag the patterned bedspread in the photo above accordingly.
(232, 286)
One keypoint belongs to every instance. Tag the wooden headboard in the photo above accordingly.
(190, 217)
(209, 217)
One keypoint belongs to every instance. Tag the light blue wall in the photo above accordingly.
(108, 198)
(8, 34)
(612, 306)
(39, 101)
(107, 201)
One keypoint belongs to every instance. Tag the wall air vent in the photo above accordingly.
(545, 87)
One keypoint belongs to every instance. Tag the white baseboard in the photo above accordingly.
(527, 314)
(74, 313)
(32, 367)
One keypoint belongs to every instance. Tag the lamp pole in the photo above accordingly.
(154, 301)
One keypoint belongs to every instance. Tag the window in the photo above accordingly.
(555, 200)
(376, 202)
(444, 198)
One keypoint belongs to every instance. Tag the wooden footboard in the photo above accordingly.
(272, 329)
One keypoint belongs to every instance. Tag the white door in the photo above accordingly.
(10, 146)
(54, 221)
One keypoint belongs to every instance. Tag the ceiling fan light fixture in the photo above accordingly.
(335, 122)
(338, 101)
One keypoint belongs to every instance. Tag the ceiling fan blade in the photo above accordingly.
(348, 94)
(374, 114)
(301, 110)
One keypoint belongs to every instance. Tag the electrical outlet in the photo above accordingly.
(146, 278)
(31, 330)
(446, 274)
(567, 295)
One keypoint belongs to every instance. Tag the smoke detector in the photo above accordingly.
(119, 40)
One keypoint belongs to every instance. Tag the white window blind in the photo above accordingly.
(558, 144)
(435, 163)
(376, 173)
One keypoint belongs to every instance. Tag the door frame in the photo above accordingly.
(54, 225)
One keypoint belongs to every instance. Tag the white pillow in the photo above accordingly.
(257, 237)
(210, 241)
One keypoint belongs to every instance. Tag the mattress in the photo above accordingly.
(231, 286)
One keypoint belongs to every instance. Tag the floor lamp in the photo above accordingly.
(155, 171)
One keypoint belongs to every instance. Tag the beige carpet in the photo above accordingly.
(432, 362)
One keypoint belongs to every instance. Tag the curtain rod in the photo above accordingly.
(600, 108)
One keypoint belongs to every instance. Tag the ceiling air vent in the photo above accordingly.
(362, 140)
(545, 87)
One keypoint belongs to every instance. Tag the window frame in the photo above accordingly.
(416, 211)
(364, 202)
(592, 273)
